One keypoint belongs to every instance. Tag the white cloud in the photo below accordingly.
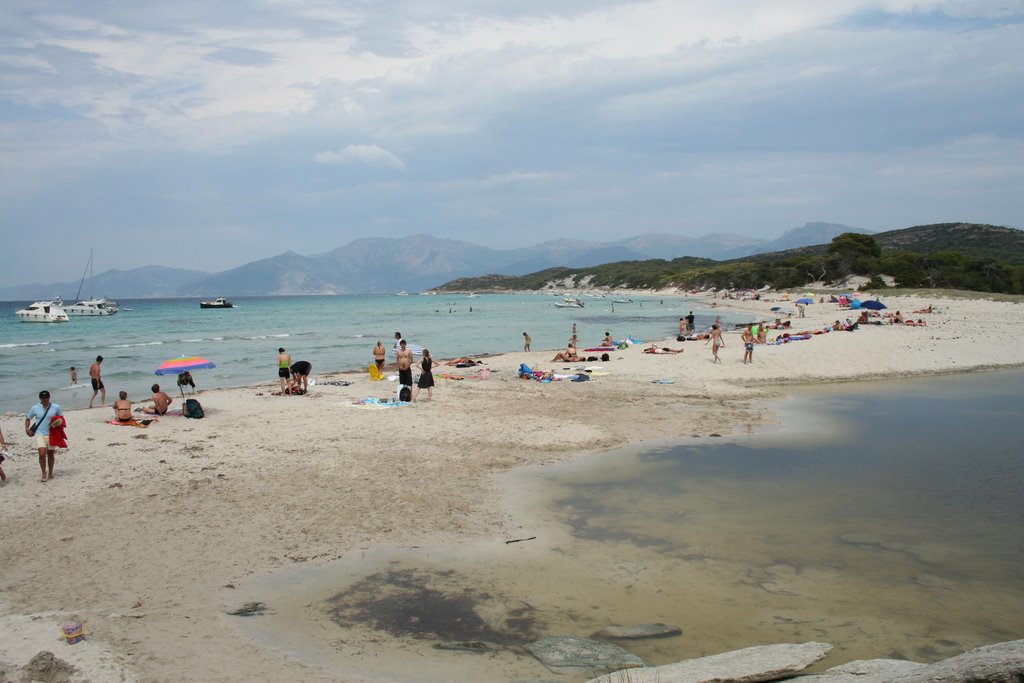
(363, 155)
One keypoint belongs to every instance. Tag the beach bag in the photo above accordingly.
(605, 357)
(193, 409)
(405, 394)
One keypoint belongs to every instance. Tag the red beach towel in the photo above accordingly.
(58, 437)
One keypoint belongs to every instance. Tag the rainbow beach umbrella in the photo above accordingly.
(176, 366)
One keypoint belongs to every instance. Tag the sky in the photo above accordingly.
(206, 135)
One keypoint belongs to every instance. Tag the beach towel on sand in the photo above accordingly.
(134, 423)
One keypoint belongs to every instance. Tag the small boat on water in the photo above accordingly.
(622, 301)
(569, 302)
(43, 312)
(219, 302)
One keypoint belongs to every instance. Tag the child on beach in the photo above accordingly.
(74, 376)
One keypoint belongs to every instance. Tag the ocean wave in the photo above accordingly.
(216, 338)
(278, 336)
(190, 340)
(128, 346)
(14, 346)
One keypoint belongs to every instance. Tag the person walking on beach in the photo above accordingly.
(716, 341)
(379, 355)
(97, 383)
(161, 402)
(74, 376)
(426, 380)
(404, 364)
(526, 342)
(689, 322)
(748, 343)
(43, 413)
(123, 408)
(284, 364)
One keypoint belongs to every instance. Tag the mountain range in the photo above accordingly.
(414, 263)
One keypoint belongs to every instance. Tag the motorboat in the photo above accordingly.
(219, 302)
(569, 302)
(43, 312)
(101, 306)
(90, 306)
(622, 301)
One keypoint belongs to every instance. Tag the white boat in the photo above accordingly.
(101, 306)
(471, 295)
(569, 303)
(622, 301)
(43, 312)
(219, 302)
(90, 306)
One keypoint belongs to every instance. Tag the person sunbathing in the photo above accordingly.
(925, 310)
(464, 362)
(654, 349)
(567, 356)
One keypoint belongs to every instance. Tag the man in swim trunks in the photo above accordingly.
(284, 364)
(97, 382)
(748, 343)
(123, 408)
(689, 322)
(161, 402)
(404, 364)
(300, 376)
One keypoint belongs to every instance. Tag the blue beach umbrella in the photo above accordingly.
(805, 300)
(873, 305)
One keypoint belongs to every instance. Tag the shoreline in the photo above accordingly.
(145, 533)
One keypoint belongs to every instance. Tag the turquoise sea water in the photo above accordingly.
(333, 333)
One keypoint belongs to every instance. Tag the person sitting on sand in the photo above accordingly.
(607, 341)
(123, 408)
(567, 356)
(161, 402)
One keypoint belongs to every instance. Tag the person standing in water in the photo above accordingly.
(526, 342)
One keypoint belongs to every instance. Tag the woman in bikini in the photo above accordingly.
(379, 354)
(716, 341)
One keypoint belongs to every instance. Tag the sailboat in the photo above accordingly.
(90, 306)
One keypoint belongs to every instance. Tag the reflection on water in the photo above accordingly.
(893, 530)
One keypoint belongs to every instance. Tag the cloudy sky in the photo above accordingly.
(207, 134)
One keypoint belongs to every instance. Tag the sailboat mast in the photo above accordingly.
(87, 271)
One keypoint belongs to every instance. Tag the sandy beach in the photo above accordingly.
(146, 534)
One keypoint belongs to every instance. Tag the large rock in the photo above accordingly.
(575, 655)
(862, 669)
(638, 631)
(761, 663)
(999, 663)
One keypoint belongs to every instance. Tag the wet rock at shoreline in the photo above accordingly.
(638, 631)
(760, 663)
(1000, 662)
(576, 655)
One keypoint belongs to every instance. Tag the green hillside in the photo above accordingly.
(966, 256)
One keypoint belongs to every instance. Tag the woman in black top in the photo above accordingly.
(426, 380)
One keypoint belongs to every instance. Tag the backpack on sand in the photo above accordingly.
(192, 409)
